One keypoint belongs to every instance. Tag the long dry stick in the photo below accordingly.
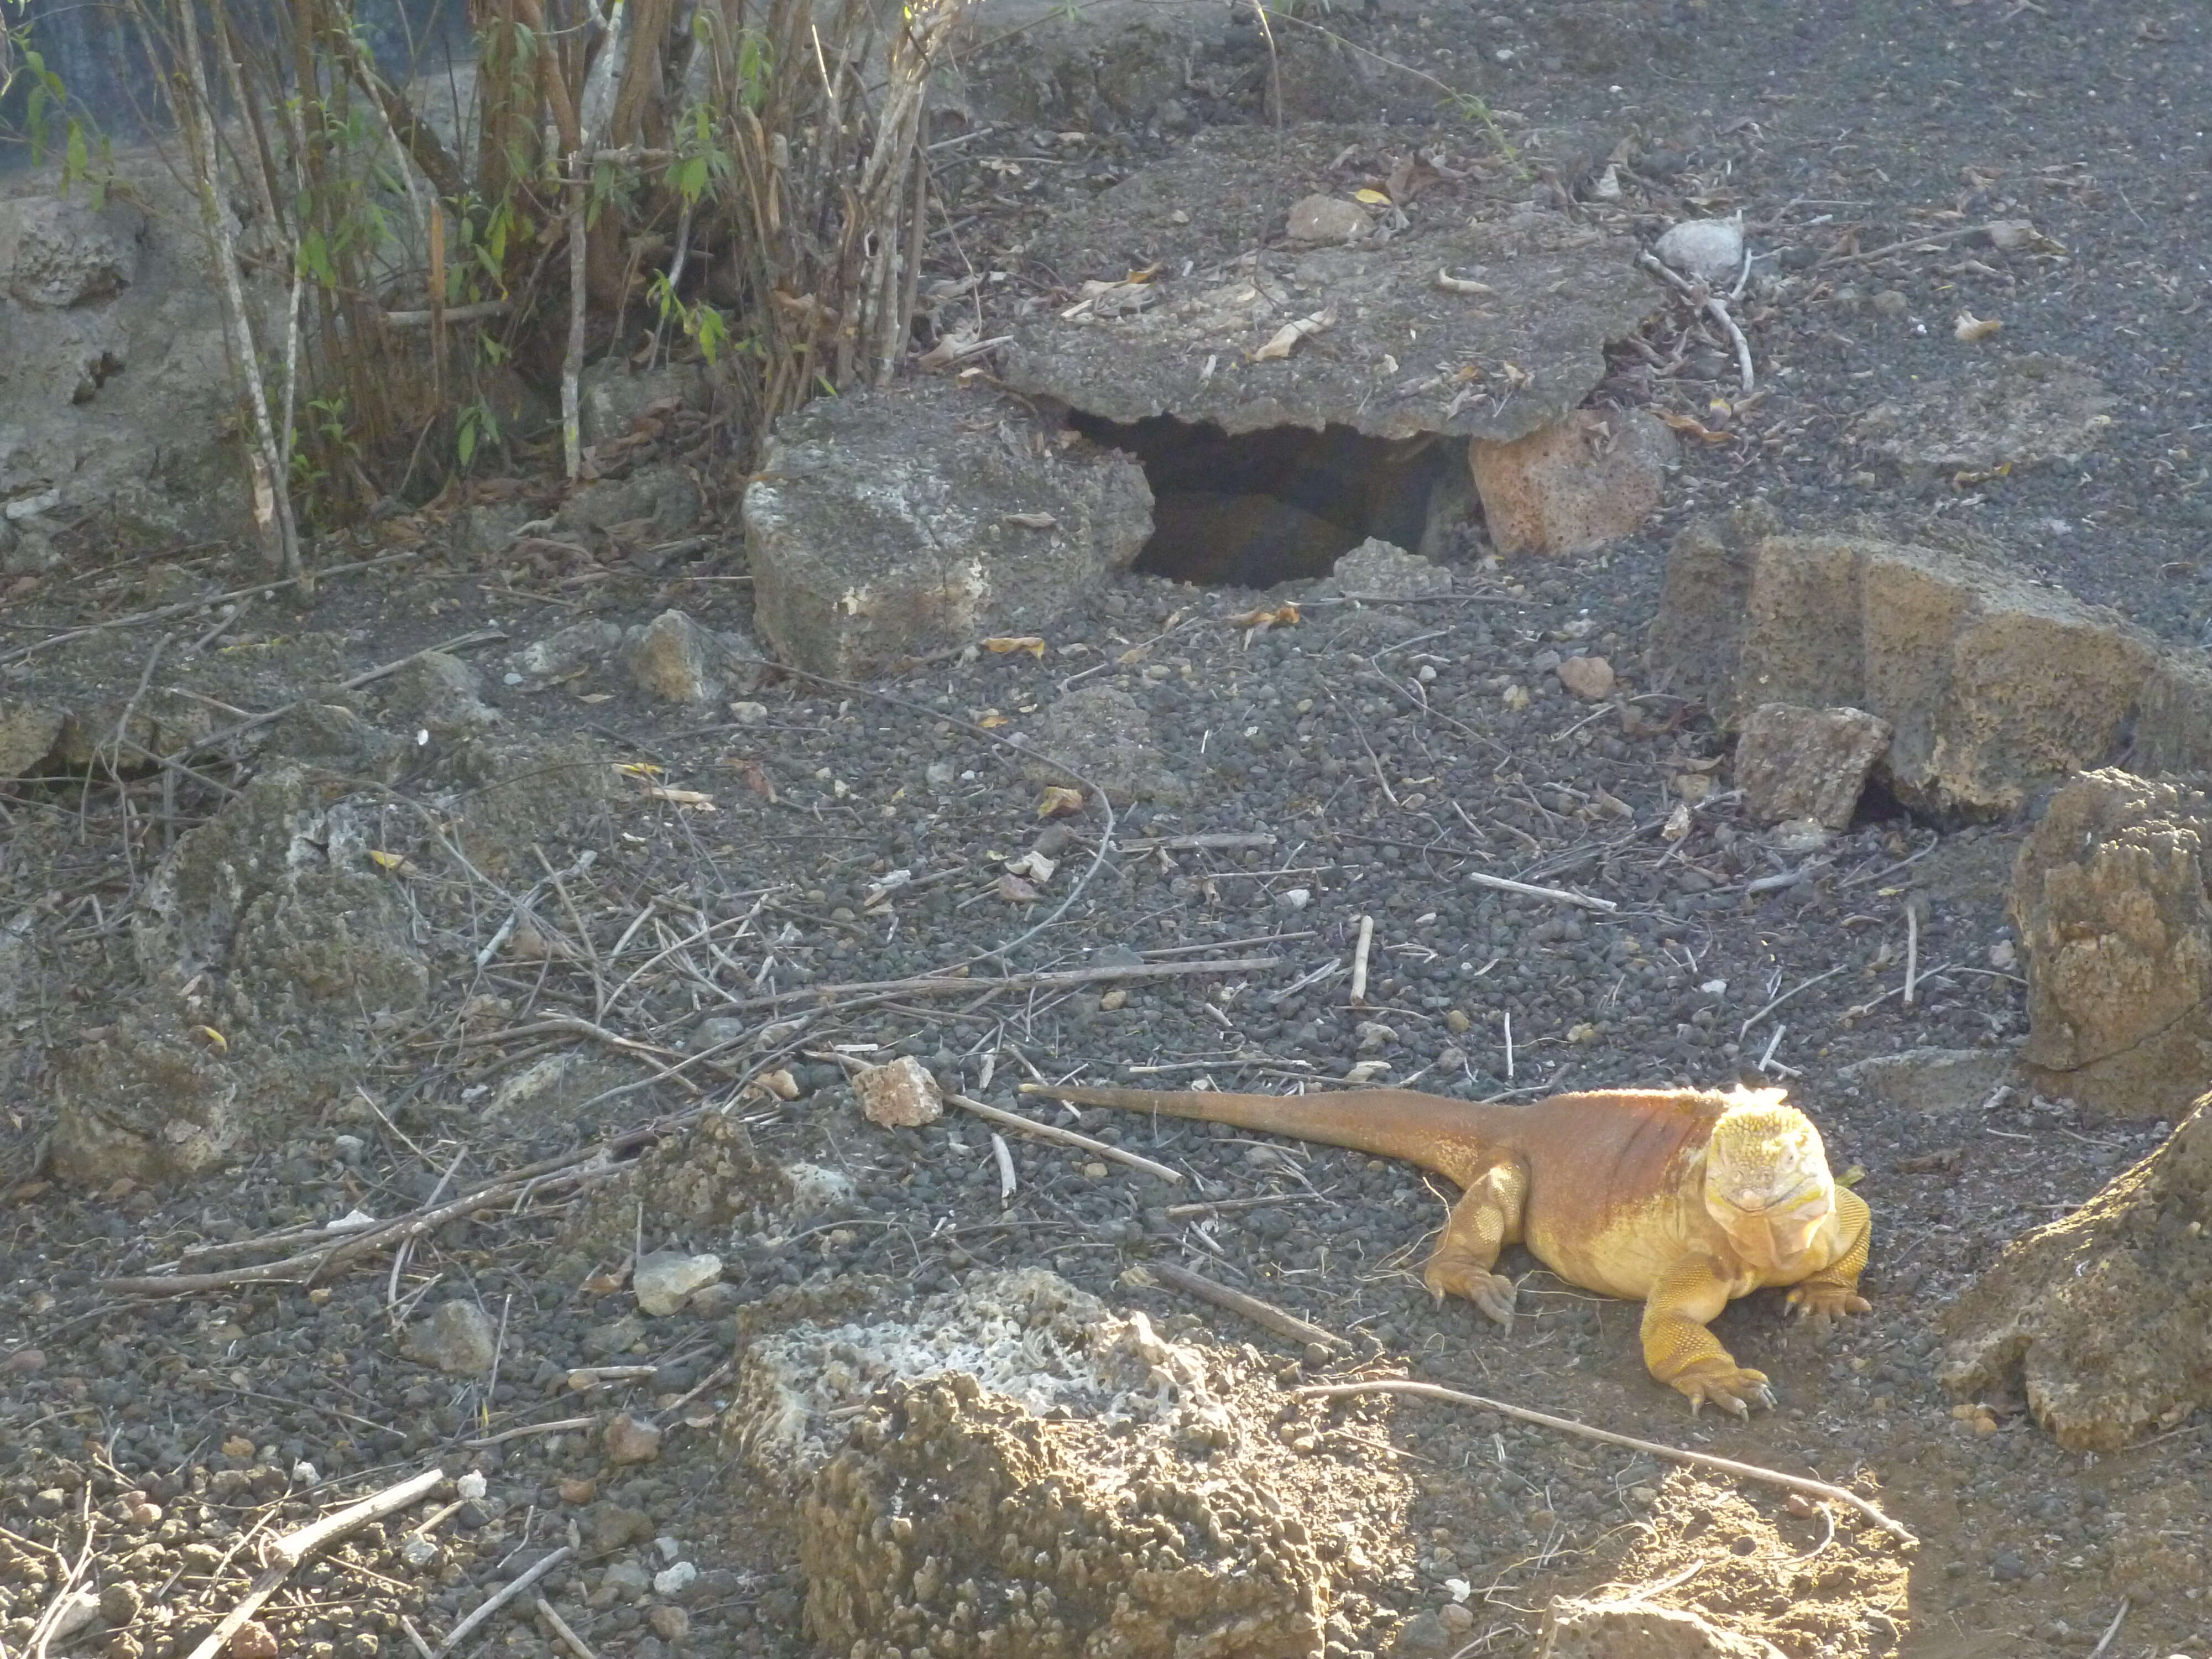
(1280, 1320)
(287, 1551)
(943, 985)
(1568, 1425)
(1054, 1132)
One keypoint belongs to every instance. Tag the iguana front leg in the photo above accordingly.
(1683, 1354)
(1834, 1291)
(1486, 1218)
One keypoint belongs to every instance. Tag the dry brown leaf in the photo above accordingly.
(1689, 427)
(750, 774)
(1015, 891)
(1058, 802)
(1004, 644)
(1969, 328)
(1290, 333)
(1265, 616)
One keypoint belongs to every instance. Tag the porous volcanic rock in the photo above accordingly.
(1031, 1476)
(895, 523)
(1398, 354)
(2113, 900)
(1588, 479)
(2105, 1315)
(1796, 763)
(1997, 687)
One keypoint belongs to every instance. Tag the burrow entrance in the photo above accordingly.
(1253, 508)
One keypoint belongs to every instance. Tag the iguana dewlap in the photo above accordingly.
(1681, 1199)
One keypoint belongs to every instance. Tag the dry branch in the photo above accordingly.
(1178, 1277)
(1054, 1132)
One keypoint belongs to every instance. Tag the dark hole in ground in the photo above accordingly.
(1255, 508)
(1879, 805)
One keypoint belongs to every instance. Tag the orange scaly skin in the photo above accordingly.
(1681, 1199)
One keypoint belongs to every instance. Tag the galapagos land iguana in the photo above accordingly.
(1681, 1199)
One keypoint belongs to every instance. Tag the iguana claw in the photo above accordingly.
(1492, 1293)
(1734, 1389)
(1827, 1302)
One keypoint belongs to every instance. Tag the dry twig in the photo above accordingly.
(1054, 1132)
(1176, 1276)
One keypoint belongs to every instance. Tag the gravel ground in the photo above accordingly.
(1389, 752)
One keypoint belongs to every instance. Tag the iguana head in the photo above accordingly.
(1766, 1178)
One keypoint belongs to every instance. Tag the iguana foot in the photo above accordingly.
(1492, 1293)
(1725, 1383)
(1827, 1302)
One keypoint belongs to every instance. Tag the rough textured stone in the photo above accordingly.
(1173, 1532)
(1631, 1629)
(1995, 687)
(1326, 219)
(119, 401)
(1577, 485)
(609, 397)
(1796, 763)
(57, 251)
(27, 734)
(663, 1278)
(1558, 289)
(438, 693)
(2018, 412)
(677, 657)
(1376, 569)
(2112, 898)
(900, 1096)
(460, 1339)
(142, 1098)
(2105, 1316)
(890, 524)
(1099, 735)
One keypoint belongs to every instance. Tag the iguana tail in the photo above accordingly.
(1449, 1136)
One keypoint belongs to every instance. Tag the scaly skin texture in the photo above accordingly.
(1681, 1199)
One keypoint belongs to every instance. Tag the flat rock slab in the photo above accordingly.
(2015, 412)
(1400, 353)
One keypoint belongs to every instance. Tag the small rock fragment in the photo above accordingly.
(253, 1640)
(663, 1278)
(631, 1440)
(1708, 251)
(669, 1623)
(674, 1580)
(679, 658)
(1325, 219)
(1797, 763)
(1382, 570)
(900, 1096)
(1590, 678)
(1575, 484)
(460, 1339)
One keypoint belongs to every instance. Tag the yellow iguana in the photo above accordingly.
(1682, 1199)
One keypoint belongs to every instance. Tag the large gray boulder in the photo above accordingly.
(891, 524)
